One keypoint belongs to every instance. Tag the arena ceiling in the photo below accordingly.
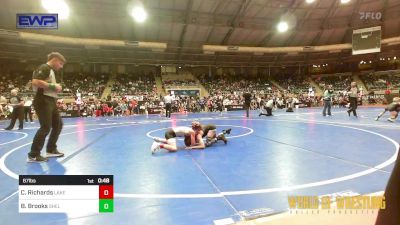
(186, 25)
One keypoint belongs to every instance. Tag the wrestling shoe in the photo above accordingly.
(155, 147)
(228, 131)
(223, 138)
(390, 120)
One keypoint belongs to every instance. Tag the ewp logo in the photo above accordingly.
(37, 21)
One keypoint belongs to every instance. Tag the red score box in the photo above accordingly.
(106, 192)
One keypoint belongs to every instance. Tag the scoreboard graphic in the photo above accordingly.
(66, 193)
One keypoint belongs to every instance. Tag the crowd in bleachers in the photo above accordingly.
(231, 91)
(381, 80)
(137, 93)
(88, 84)
(20, 81)
(136, 85)
(186, 82)
(339, 81)
(294, 84)
(96, 107)
(230, 86)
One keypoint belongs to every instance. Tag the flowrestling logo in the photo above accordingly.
(37, 21)
(370, 15)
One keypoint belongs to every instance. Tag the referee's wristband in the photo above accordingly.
(52, 87)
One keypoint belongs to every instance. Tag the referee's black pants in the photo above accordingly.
(17, 113)
(49, 119)
(168, 110)
(353, 105)
(28, 111)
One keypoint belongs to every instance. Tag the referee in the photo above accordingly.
(353, 92)
(168, 102)
(247, 101)
(18, 110)
(46, 87)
